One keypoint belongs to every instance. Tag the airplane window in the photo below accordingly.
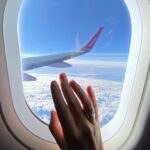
(89, 40)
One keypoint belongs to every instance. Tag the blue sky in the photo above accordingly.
(56, 26)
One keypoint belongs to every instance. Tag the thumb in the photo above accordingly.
(56, 129)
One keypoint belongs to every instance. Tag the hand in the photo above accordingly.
(75, 125)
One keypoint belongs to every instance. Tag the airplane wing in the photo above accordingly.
(58, 59)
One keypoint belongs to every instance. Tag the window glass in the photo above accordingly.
(50, 30)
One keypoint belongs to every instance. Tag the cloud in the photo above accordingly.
(40, 105)
(98, 63)
(45, 118)
(39, 98)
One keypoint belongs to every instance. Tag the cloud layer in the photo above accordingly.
(40, 101)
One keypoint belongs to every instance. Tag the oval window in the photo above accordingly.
(59, 36)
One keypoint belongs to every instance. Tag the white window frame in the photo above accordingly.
(33, 132)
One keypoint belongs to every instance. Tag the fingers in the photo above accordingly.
(71, 99)
(56, 128)
(88, 108)
(87, 105)
(92, 97)
(70, 135)
(64, 115)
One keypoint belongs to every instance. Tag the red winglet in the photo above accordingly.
(91, 43)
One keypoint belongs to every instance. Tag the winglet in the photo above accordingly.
(27, 77)
(91, 43)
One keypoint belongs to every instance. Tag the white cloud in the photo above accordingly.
(44, 118)
(38, 95)
(97, 63)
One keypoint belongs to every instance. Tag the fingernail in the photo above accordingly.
(72, 82)
(62, 75)
(53, 83)
(90, 88)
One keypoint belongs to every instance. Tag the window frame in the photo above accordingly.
(19, 117)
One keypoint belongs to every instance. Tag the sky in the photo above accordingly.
(57, 26)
